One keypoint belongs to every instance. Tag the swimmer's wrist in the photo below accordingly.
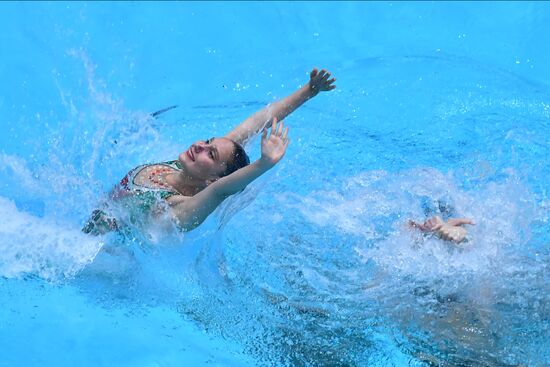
(264, 163)
(310, 90)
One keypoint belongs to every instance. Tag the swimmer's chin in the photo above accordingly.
(182, 158)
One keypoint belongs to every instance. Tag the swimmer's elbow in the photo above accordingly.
(187, 219)
(187, 223)
(192, 211)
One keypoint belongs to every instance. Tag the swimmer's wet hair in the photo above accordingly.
(239, 160)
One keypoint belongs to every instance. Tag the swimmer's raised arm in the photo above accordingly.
(192, 211)
(318, 81)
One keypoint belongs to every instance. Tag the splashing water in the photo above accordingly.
(313, 264)
(31, 245)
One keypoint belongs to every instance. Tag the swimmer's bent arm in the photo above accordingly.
(318, 81)
(192, 211)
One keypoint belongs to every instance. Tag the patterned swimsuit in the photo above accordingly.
(137, 196)
(145, 195)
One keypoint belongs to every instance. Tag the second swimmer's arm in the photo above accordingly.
(192, 211)
(450, 231)
(319, 81)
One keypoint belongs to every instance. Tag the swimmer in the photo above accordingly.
(211, 170)
(451, 230)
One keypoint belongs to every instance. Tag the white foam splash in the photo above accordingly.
(501, 211)
(16, 168)
(35, 246)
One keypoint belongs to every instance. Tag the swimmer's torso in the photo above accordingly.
(142, 192)
(146, 184)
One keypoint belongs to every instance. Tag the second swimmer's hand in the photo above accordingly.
(319, 81)
(429, 225)
(450, 231)
(453, 230)
(274, 146)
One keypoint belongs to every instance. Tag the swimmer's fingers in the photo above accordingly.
(460, 221)
(313, 73)
(321, 81)
(416, 225)
(285, 134)
(432, 224)
(437, 224)
(280, 128)
(273, 126)
(412, 223)
(264, 136)
(285, 145)
(324, 80)
(429, 225)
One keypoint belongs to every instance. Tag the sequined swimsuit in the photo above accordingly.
(141, 198)
(145, 195)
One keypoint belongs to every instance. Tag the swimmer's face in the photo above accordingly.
(207, 159)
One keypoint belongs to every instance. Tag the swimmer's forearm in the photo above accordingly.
(240, 179)
(194, 210)
(280, 109)
(287, 105)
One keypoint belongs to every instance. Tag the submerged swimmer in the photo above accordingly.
(451, 230)
(441, 222)
(209, 171)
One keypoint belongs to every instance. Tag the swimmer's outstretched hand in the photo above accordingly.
(450, 231)
(274, 146)
(429, 225)
(319, 81)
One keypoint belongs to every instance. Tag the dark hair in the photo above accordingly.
(239, 160)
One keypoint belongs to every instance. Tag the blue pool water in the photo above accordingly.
(312, 264)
